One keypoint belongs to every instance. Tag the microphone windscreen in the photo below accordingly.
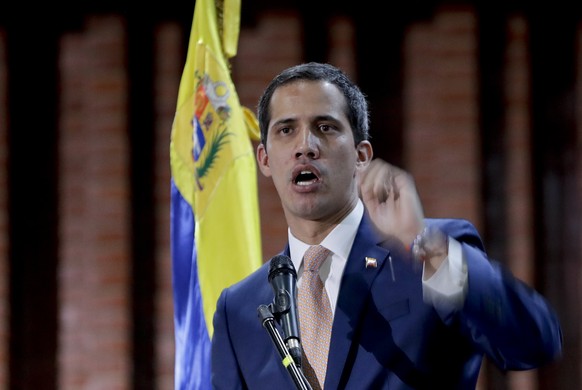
(281, 263)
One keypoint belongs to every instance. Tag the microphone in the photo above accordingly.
(283, 280)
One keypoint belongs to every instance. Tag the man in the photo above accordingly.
(415, 302)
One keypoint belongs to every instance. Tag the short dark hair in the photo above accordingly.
(356, 103)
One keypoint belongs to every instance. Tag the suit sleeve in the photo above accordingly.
(511, 322)
(225, 368)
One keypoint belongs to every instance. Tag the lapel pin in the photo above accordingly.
(371, 262)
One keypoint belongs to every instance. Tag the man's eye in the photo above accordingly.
(285, 130)
(324, 128)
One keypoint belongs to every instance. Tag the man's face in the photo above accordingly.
(310, 152)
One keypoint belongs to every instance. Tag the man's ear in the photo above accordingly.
(263, 160)
(365, 154)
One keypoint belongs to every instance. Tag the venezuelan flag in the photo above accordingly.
(215, 227)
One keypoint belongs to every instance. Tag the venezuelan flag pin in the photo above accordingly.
(371, 262)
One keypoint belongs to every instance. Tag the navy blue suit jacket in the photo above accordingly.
(384, 335)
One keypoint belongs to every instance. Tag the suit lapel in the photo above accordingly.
(357, 280)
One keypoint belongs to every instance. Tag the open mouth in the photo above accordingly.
(305, 175)
(305, 178)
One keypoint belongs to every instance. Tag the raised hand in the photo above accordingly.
(390, 195)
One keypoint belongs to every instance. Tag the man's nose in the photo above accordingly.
(308, 144)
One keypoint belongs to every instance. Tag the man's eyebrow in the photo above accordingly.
(283, 121)
(328, 118)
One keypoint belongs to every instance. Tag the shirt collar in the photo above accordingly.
(339, 241)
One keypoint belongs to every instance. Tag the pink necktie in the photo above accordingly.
(315, 317)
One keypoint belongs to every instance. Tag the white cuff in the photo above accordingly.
(448, 284)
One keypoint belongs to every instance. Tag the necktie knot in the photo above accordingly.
(314, 257)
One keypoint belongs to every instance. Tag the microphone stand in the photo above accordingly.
(268, 321)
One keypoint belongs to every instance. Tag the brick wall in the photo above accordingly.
(441, 139)
(94, 210)
(518, 180)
